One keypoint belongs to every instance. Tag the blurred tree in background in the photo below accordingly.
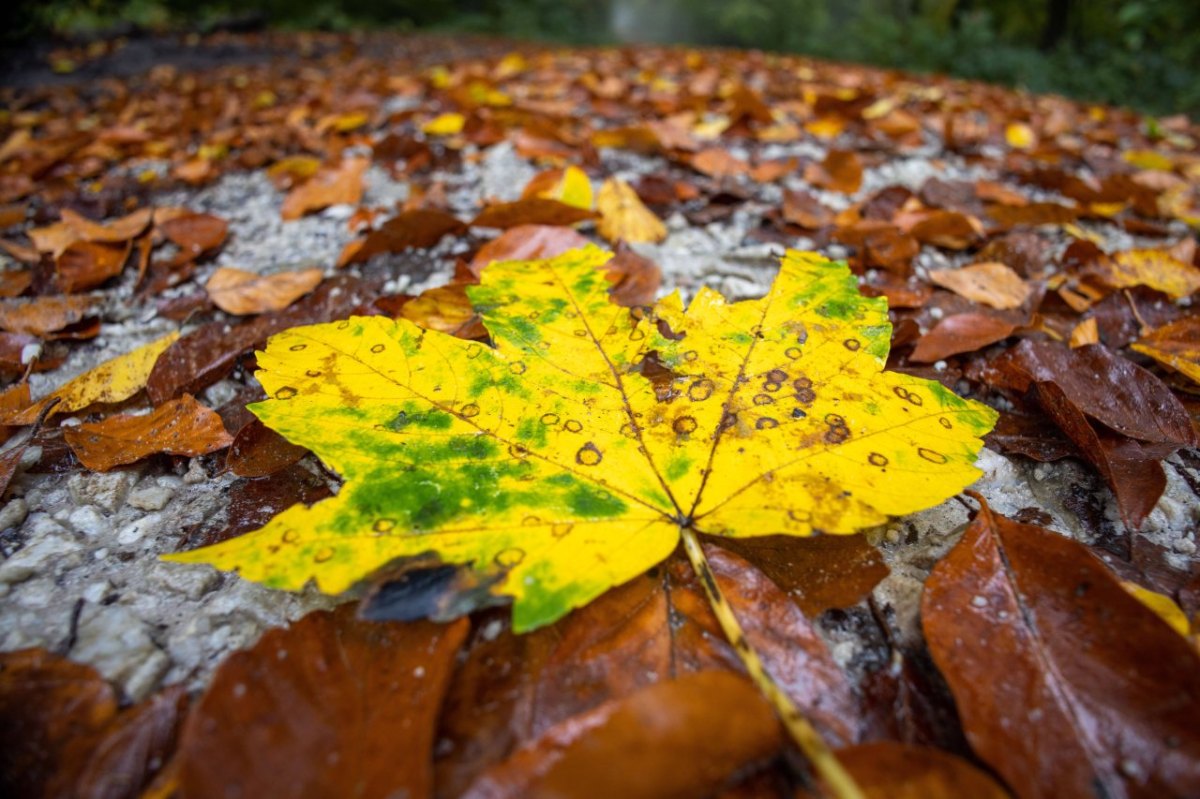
(1144, 53)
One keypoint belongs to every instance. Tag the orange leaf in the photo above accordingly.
(343, 185)
(84, 265)
(531, 211)
(527, 243)
(239, 292)
(991, 283)
(179, 427)
(116, 232)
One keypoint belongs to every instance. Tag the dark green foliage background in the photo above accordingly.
(1143, 53)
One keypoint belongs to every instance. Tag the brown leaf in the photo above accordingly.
(205, 355)
(635, 279)
(531, 211)
(327, 707)
(803, 209)
(512, 689)
(888, 770)
(253, 503)
(964, 332)
(527, 243)
(421, 228)
(991, 283)
(1157, 269)
(85, 265)
(1176, 345)
(258, 451)
(1067, 685)
(841, 171)
(195, 234)
(716, 162)
(238, 292)
(117, 231)
(446, 309)
(341, 185)
(948, 229)
(45, 316)
(179, 427)
(818, 573)
(649, 734)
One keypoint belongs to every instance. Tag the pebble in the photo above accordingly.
(13, 513)
(105, 490)
(119, 645)
(48, 552)
(151, 497)
(89, 521)
(132, 533)
(193, 581)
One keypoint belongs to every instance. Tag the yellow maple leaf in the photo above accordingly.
(554, 467)
(623, 215)
(448, 124)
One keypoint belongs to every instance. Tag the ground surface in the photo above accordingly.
(81, 573)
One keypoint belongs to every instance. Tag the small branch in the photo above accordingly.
(841, 785)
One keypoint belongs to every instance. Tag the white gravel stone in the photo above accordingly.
(49, 553)
(88, 520)
(13, 513)
(193, 581)
(151, 497)
(106, 490)
(119, 645)
(136, 531)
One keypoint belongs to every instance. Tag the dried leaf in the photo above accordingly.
(1067, 685)
(624, 217)
(446, 309)
(841, 171)
(119, 231)
(990, 283)
(560, 534)
(527, 243)
(533, 211)
(238, 292)
(179, 427)
(1176, 345)
(84, 265)
(337, 186)
(327, 703)
(649, 733)
(195, 234)
(420, 228)
(888, 770)
(258, 451)
(965, 332)
(1157, 269)
(45, 316)
(571, 186)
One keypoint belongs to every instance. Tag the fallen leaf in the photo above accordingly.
(964, 332)
(1175, 345)
(1067, 686)
(560, 534)
(948, 229)
(718, 163)
(45, 316)
(64, 735)
(818, 573)
(119, 231)
(649, 733)
(532, 211)
(258, 451)
(624, 217)
(53, 238)
(421, 228)
(1154, 268)
(238, 292)
(1019, 136)
(85, 265)
(448, 124)
(1161, 605)
(341, 185)
(527, 243)
(990, 283)
(446, 309)
(635, 279)
(803, 209)
(113, 381)
(570, 185)
(252, 503)
(195, 234)
(889, 770)
(324, 704)
(840, 171)
(178, 427)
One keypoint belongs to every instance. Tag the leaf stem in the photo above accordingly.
(841, 785)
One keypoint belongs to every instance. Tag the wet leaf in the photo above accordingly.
(45, 316)
(533, 211)
(888, 770)
(840, 171)
(195, 234)
(446, 309)
(179, 427)
(570, 185)
(85, 265)
(1067, 685)
(325, 704)
(258, 451)
(113, 381)
(238, 292)
(117, 231)
(527, 243)
(964, 332)
(1157, 269)
(420, 228)
(635, 279)
(779, 449)
(335, 186)
(650, 734)
(624, 217)
(989, 283)
(1176, 345)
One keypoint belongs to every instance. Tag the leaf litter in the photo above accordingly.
(1103, 263)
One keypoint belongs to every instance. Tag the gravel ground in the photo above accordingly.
(81, 573)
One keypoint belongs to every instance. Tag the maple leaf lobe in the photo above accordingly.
(556, 468)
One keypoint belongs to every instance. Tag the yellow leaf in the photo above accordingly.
(571, 186)
(1019, 136)
(112, 381)
(624, 216)
(554, 467)
(1163, 606)
(1176, 345)
(1148, 159)
(1154, 268)
(448, 124)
